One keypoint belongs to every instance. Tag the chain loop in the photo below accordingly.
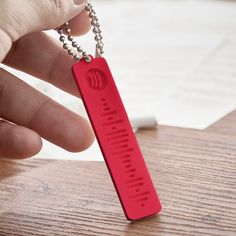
(71, 45)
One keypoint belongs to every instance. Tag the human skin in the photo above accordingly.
(26, 115)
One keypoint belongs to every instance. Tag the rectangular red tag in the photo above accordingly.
(116, 139)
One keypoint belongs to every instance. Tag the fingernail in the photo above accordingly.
(79, 2)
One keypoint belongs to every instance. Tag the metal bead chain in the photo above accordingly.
(71, 45)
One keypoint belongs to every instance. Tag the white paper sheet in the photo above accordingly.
(207, 94)
(155, 45)
(50, 151)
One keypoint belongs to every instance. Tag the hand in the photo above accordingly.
(26, 114)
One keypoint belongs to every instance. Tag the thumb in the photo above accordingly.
(20, 17)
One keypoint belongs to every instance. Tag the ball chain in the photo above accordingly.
(71, 45)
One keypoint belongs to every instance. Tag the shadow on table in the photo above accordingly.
(141, 226)
(9, 168)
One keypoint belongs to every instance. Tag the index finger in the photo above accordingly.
(43, 57)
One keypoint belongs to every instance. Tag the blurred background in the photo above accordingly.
(172, 59)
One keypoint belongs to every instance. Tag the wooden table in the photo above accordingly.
(193, 171)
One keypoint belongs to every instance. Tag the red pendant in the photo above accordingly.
(116, 139)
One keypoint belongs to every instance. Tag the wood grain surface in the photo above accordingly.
(193, 171)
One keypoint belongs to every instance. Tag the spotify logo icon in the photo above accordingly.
(96, 79)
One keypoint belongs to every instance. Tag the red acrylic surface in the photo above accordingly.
(116, 139)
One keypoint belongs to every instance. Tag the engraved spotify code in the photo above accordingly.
(118, 138)
(96, 79)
